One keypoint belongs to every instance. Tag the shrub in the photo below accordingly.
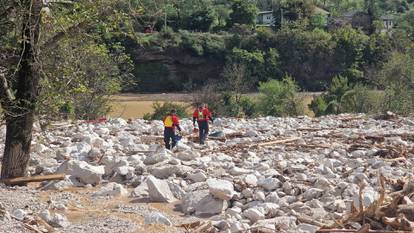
(344, 98)
(279, 98)
(248, 106)
(361, 99)
(318, 106)
(398, 79)
(161, 110)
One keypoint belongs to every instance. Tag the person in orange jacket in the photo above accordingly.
(170, 123)
(202, 115)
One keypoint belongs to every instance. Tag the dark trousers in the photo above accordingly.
(203, 131)
(169, 136)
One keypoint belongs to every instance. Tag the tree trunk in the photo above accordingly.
(20, 111)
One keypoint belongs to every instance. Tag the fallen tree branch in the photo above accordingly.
(22, 180)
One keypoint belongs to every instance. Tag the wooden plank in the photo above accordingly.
(278, 141)
(21, 180)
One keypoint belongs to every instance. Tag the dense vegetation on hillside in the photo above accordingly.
(89, 50)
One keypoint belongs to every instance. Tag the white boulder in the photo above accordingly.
(221, 189)
(159, 190)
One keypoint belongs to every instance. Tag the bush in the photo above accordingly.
(279, 98)
(161, 110)
(248, 106)
(344, 98)
(318, 106)
(361, 99)
(398, 79)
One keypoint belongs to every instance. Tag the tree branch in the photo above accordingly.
(52, 42)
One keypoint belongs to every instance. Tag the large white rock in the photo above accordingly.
(221, 189)
(191, 199)
(209, 206)
(178, 192)
(269, 184)
(197, 177)
(236, 171)
(157, 157)
(312, 193)
(19, 214)
(164, 172)
(141, 190)
(307, 228)
(157, 218)
(55, 219)
(86, 173)
(251, 180)
(368, 198)
(111, 189)
(159, 190)
(253, 215)
(187, 155)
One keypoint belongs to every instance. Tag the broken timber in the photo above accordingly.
(21, 180)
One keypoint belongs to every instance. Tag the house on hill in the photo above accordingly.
(360, 19)
(265, 19)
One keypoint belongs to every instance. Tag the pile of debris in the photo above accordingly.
(263, 175)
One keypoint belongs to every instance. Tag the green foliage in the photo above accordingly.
(279, 98)
(406, 23)
(341, 97)
(243, 12)
(398, 79)
(78, 81)
(162, 110)
(201, 20)
(318, 106)
(361, 99)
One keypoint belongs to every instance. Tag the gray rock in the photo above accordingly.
(19, 214)
(307, 228)
(157, 157)
(236, 171)
(368, 198)
(191, 199)
(259, 196)
(159, 191)
(55, 219)
(157, 218)
(197, 177)
(187, 155)
(112, 190)
(141, 190)
(178, 192)
(269, 184)
(167, 171)
(251, 180)
(209, 206)
(312, 193)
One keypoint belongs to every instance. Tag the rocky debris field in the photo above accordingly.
(261, 175)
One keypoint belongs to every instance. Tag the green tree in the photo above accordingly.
(32, 37)
(201, 20)
(279, 98)
(398, 80)
(243, 12)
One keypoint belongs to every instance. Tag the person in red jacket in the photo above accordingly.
(202, 115)
(170, 123)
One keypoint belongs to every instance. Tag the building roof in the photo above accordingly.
(265, 12)
(387, 17)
